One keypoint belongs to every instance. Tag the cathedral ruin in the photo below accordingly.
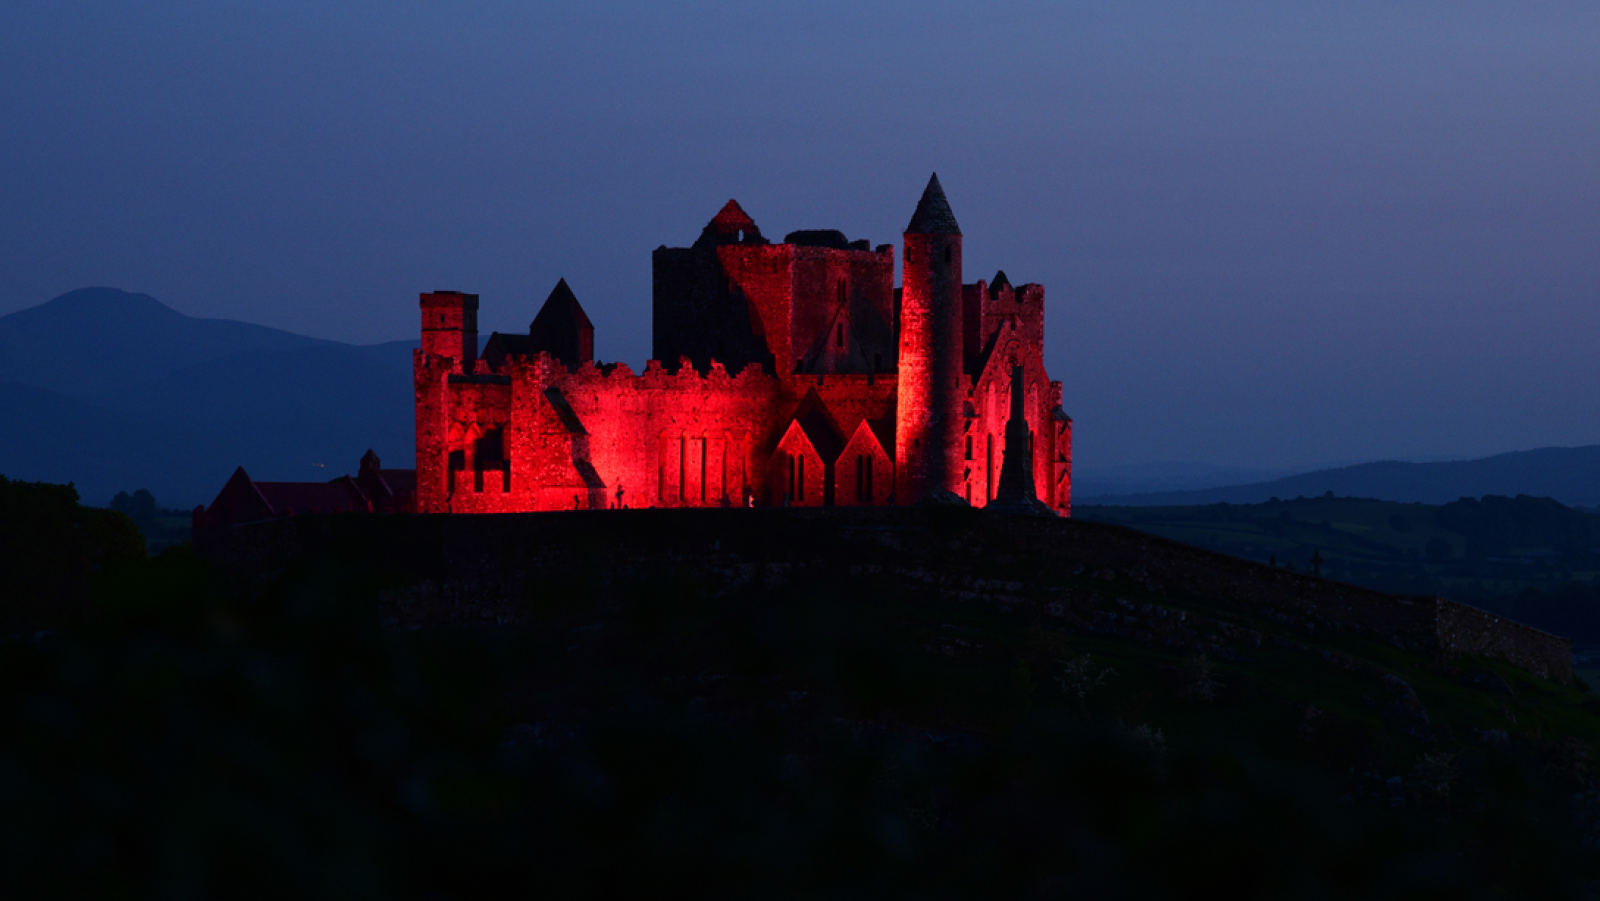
(784, 374)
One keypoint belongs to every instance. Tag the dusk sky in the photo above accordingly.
(1271, 234)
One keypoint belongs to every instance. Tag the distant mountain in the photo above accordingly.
(1568, 474)
(85, 340)
(115, 391)
(1145, 478)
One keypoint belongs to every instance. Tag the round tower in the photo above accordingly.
(929, 397)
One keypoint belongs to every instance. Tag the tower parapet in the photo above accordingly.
(450, 327)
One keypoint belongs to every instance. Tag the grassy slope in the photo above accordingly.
(832, 733)
(1360, 544)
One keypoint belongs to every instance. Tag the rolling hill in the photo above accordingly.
(115, 391)
(1568, 474)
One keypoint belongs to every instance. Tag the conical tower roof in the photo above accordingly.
(561, 312)
(562, 329)
(933, 215)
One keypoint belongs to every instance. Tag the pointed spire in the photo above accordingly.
(933, 215)
(563, 305)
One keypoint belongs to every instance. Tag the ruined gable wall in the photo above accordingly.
(797, 475)
(991, 402)
(861, 482)
(1018, 312)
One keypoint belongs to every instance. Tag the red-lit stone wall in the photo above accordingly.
(1010, 327)
(860, 285)
(675, 439)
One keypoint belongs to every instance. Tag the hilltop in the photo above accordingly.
(945, 701)
(939, 649)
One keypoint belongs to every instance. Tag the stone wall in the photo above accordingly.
(1468, 630)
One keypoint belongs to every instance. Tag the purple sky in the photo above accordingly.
(1270, 234)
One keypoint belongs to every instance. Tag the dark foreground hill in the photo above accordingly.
(938, 703)
(115, 391)
(1568, 474)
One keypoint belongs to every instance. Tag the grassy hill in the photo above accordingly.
(1530, 559)
(765, 702)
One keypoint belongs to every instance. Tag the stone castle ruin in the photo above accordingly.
(790, 374)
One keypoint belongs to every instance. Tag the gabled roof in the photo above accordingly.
(933, 215)
(1000, 281)
(884, 429)
(562, 329)
(336, 496)
(813, 418)
(871, 429)
(240, 500)
(561, 310)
